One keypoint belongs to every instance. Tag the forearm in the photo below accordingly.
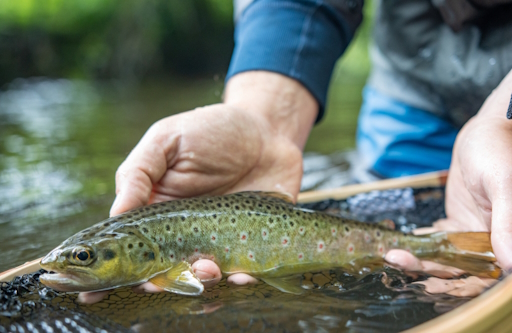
(284, 104)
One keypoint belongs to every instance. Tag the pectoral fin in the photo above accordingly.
(288, 284)
(180, 280)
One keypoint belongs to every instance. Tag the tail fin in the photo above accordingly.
(472, 244)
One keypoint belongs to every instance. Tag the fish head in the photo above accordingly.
(99, 263)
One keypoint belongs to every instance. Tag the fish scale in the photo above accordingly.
(257, 233)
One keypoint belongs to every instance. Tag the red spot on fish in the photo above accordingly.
(285, 241)
(213, 238)
(172, 255)
(251, 256)
(333, 231)
(183, 259)
(226, 249)
(180, 240)
(300, 256)
(350, 249)
(196, 249)
(264, 233)
(301, 229)
(244, 237)
(320, 246)
(381, 249)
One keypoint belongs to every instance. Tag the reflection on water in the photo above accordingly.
(36, 122)
(60, 144)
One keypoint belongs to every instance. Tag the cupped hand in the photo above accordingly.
(211, 150)
(479, 187)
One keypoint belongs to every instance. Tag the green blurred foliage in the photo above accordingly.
(124, 39)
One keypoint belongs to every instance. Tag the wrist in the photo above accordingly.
(283, 105)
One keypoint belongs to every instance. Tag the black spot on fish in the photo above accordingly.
(106, 224)
(151, 256)
(233, 221)
(226, 204)
(130, 246)
(268, 207)
(108, 254)
(131, 233)
(237, 207)
(291, 224)
(260, 205)
(161, 259)
(167, 210)
(113, 235)
(285, 216)
(316, 224)
(167, 227)
(196, 229)
(102, 235)
(145, 230)
(214, 216)
(141, 244)
(137, 226)
(219, 205)
(183, 218)
(347, 229)
(271, 220)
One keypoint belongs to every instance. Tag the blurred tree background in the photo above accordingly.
(121, 39)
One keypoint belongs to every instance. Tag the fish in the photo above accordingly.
(262, 234)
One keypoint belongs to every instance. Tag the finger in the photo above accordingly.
(403, 260)
(92, 297)
(207, 271)
(147, 287)
(241, 279)
(144, 167)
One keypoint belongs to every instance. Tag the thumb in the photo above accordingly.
(144, 166)
(501, 230)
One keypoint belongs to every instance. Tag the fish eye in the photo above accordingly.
(82, 256)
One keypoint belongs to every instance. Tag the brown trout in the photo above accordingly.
(257, 233)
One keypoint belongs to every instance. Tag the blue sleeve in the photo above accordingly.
(301, 39)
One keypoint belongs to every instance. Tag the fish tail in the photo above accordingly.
(470, 244)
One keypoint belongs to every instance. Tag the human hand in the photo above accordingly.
(479, 187)
(252, 141)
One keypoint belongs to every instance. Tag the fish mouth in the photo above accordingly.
(68, 282)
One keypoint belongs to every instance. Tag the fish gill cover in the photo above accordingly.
(369, 299)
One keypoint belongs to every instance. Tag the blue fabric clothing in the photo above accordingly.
(395, 139)
(301, 39)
